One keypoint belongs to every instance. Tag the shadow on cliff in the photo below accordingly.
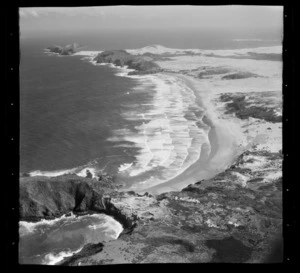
(49, 198)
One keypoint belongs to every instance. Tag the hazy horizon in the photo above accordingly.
(40, 22)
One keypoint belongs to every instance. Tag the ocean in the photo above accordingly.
(50, 241)
(68, 110)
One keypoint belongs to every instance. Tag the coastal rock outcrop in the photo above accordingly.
(141, 64)
(64, 50)
(239, 75)
(48, 198)
(233, 217)
(255, 105)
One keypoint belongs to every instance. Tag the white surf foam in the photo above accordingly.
(124, 167)
(54, 258)
(26, 228)
(167, 139)
(51, 173)
(80, 171)
(88, 53)
(83, 172)
(112, 228)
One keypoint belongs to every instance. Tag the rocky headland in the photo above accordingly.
(233, 217)
(50, 198)
(141, 64)
(69, 49)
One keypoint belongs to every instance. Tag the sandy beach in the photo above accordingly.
(223, 148)
(228, 136)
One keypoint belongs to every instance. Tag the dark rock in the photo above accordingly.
(88, 250)
(88, 174)
(239, 75)
(141, 64)
(265, 56)
(50, 198)
(131, 193)
(213, 71)
(254, 180)
(147, 194)
(239, 105)
(65, 50)
(216, 215)
(229, 250)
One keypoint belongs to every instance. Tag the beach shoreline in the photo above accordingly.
(220, 155)
(226, 137)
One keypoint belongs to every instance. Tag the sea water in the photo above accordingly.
(77, 116)
(50, 241)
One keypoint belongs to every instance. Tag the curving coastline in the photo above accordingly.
(215, 155)
(230, 196)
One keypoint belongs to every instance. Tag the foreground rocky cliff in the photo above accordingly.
(48, 198)
(215, 220)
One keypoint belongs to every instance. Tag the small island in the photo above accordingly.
(69, 49)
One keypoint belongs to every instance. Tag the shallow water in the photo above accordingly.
(48, 242)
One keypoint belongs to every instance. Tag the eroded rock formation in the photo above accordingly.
(141, 64)
(48, 198)
(64, 50)
(199, 224)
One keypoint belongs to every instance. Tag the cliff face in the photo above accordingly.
(142, 64)
(214, 220)
(42, 197)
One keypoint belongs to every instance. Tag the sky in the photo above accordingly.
(37, 20)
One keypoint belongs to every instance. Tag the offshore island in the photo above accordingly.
(233, 216)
